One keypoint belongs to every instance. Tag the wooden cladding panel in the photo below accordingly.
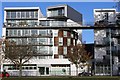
(60, 50)
(56, 56)
(56, 40)
(60, 33)
(65, 41)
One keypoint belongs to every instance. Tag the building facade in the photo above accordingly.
(107, 46)
(23, 25)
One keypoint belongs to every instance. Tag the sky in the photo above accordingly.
(86, 8)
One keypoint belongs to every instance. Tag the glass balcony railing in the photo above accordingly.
(38, 24)
(35, 43)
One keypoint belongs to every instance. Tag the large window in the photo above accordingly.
(60, 41)
(65, 33)
(13, 14)
(32, 14)
(72, 35)
(34, 32)
(42, 32)
(57, 12)
(43, 40)
(8, 14)
(27, 14)
(44, 23)
(68, 42)
(36, 14)
(22, 14)
(55, 49)
(18, 14)
(56, 33)
(65, 50)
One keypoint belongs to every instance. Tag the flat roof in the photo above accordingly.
(105, 10)
(57, 6)
(20, 8)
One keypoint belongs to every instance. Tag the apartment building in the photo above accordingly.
(23, 25)
(107, 42)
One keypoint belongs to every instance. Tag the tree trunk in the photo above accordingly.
(76, 70)
(20, 70)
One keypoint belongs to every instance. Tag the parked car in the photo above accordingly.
(85, 74)
(4, 74)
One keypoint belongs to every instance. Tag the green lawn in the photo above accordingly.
(64, 78)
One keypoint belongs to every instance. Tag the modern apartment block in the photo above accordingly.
(23, 25)
(107, 42)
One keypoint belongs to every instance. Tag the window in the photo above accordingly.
(65, 33)
(74, 42)
(13, 14)
(32, 14)
(68, 42)
(34, 32)
(15, 33)
(71, 35)
(36, 14)
(43, 40)
(27, 14)
(8, 15)
(55, 33)
(65, 50)
(22, 14)
(55, 49)
(18, 14)
(60, 41)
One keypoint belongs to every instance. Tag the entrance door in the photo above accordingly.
(41, 70)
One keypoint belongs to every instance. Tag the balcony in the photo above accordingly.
(103, 43)
(31, 36)
(114, 49)
(115, 33)
(38, 25)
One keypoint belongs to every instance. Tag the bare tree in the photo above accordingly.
(78, 55)
(17, 54)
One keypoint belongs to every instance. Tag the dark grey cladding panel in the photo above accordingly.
(74, 14)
